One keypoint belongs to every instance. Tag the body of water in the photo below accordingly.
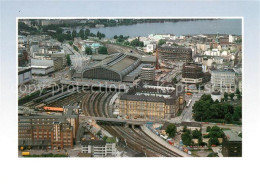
(222, 26)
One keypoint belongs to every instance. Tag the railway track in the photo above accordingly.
(155, 143)
(69, 100)
(90, 103)
(146, 143)
(140, 141)
(130, 143)
(96, 104)
(84, 104)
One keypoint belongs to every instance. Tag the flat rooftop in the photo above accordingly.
(232, 136)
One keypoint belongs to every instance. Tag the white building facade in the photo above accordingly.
(24, 75)
(98, 148)
(223, 80)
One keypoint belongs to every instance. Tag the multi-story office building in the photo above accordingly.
(148, 72)
(232, 144)
(223, 80)
(98, 148)
(174, 54)
(48, 131)
(192, 73)
(61, 59)
(24, 75)
(152, 99)
(44, 133)
(62, 136)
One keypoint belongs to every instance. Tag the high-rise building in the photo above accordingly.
(48, 131)
(41, 132)
(148, 72)
(192, 73)
(223, 80)
(175, 54)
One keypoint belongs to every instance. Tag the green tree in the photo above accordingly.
(237, 92)
(115, 37)
(238, 109)
(99, 35)
(236, 116)
(186, 138)
(60, 37)
(208, 129)
(119, 40)
(184, 129)
(136, 43)
(226, 96)
(82, 34)
(174, 80)
(213, 141)
(161, 42)
(68, 60)
(213, 154)
(196, 134)
(126, 42)
(200, 141)
(74, 34)
(102, 50)
(171, 130)
(228, 118)
(239, 96)
(215, 128)
(76, 48)
(87, 33)
(231, 95)
(70, 43)
(88, 51)
(104, 138)
(99, 133)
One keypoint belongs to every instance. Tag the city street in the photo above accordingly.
(187, 112)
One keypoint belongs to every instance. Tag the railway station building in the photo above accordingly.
(152, 100)
(123, 67)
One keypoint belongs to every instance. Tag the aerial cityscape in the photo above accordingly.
(129, 87)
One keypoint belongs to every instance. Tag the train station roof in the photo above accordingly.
(120, 63)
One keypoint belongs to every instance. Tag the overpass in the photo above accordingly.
(120, 122)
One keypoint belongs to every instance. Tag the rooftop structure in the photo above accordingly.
(232, 144)
(232, 136)
(192, 73)
(115, 67)
(152, 99)
(148, 72)
(175, 53)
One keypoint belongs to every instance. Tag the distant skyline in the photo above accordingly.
(134, 27)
